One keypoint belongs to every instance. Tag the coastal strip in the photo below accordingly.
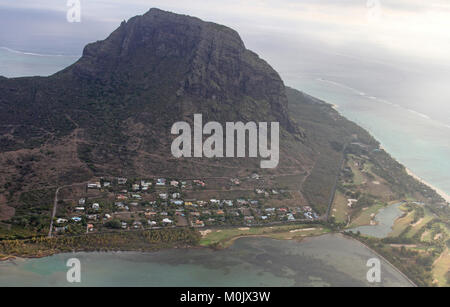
(443, 194)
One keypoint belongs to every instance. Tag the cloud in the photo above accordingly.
(409, 28)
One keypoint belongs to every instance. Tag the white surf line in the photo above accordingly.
(35, 54)
(375, 98)
(443, 194)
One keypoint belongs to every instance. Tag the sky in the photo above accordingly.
(392, 45)
(410, 28)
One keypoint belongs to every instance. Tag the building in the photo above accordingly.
(167, 221)
(161, 181)
(94, 185)
(61, 221)
(121, 180)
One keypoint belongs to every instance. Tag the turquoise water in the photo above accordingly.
(414, 139)
(329, 260)
(419, 142)
(14, 63)
(385, 218)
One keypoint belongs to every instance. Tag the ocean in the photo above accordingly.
(418, 140)
(412, 123)
(415, 139)
(14, 63)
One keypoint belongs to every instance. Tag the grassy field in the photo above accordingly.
(358, 178)
(440, 268)
(288, 181)
(225, 237)
(426, 236)
(401, 224)
(365, 216)
(416, 227)
(340, 208)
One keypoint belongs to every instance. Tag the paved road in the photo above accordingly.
(55, 205)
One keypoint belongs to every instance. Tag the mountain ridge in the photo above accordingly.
(110, 113)
(116, 104)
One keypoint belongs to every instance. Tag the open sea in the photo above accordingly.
(415, 139)
(14, 63)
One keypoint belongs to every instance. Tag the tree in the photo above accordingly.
(114, 224)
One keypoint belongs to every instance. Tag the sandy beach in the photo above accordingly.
(439, 191)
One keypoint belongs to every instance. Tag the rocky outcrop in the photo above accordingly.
(110, 113)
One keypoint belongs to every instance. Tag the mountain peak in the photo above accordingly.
(112, 110)
(161, 29)
(200, 62)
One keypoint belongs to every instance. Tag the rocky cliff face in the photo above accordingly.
(202, 66)
(110, 113)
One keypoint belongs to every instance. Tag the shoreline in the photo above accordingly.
(443, 194)
(382, 257)
(231, 242)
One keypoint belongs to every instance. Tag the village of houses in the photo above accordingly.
(133, 204)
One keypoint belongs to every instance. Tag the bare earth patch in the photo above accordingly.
(417, 223)
(438, 236)
(6, 212)
(304, 229)
(204, 233)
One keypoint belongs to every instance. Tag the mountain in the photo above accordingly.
(110, 113)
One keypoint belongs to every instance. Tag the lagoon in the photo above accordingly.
(328, 260)
(385, 221)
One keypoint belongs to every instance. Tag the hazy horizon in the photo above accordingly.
(394, 50)
(87, 167)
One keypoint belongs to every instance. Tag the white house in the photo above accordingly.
(161, 181)
(94, 185)
(121, 180)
